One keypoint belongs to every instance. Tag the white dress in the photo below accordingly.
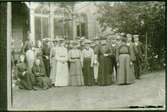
(95, 67)
(30, 58)
(62, 72)
(53, 64)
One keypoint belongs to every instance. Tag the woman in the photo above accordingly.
(25, 78)
(76, 78)
(30, 57)
(39, 53)
(62, 75)
(53, 61)
(105, 65)
(88, 60)
(125, 65)
(41, 79)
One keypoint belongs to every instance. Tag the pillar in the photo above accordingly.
(32, 24)
(9, 38)
(51, 21)
(74, 27)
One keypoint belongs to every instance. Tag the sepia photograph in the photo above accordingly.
(85, 55)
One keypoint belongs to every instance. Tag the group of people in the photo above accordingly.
(113, 58)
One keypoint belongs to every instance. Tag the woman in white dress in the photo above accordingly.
(30, 57)
(53, 61)
(62, 73)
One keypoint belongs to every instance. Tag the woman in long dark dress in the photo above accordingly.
(125, 64)
(105, 65)
(40, 75)
(26, 79)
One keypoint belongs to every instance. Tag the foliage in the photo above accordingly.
(143, 18)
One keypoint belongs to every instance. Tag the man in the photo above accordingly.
(138, 53)
(113, 48)
(87, 62)
(46, 55)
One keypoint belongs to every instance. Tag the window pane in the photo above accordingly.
(37, 28)
(45, 23)
(58, 29)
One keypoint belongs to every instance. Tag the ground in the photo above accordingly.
(149, 90)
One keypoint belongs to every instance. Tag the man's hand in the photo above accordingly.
(18, 79)
(46, 57)
(24, 73)
(105, 54)
(117, 64)
(91, 65)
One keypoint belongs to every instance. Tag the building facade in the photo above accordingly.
(52, 20)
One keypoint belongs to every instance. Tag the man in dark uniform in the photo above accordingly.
(46, 55)
(113, 48)
(139, 55)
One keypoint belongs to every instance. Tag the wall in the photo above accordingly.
(20, 22)
(3, 56)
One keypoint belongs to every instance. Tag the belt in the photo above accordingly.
(123, 53)
(87, 57)
(75, 58)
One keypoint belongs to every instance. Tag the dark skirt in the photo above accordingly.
(105, 71)
(44, 82)
(27, 81)
(76, 77)
(47, 66)
(125, 70)
(88, 72)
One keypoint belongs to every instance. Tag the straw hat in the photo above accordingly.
(122, 34)
(135, 36)
(87, 41)
(129, 35)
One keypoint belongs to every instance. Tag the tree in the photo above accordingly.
(137, 18)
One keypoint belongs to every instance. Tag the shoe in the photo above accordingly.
(35, 88)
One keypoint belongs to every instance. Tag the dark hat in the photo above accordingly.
(74, 43)
(103, 42)
(123, 39)
(92, 44)
(96, 39)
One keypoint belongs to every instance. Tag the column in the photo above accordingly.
(74, 27)
(9, 38)
(32, 25)
(51, 21)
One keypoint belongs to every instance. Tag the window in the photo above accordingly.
(41, 27)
